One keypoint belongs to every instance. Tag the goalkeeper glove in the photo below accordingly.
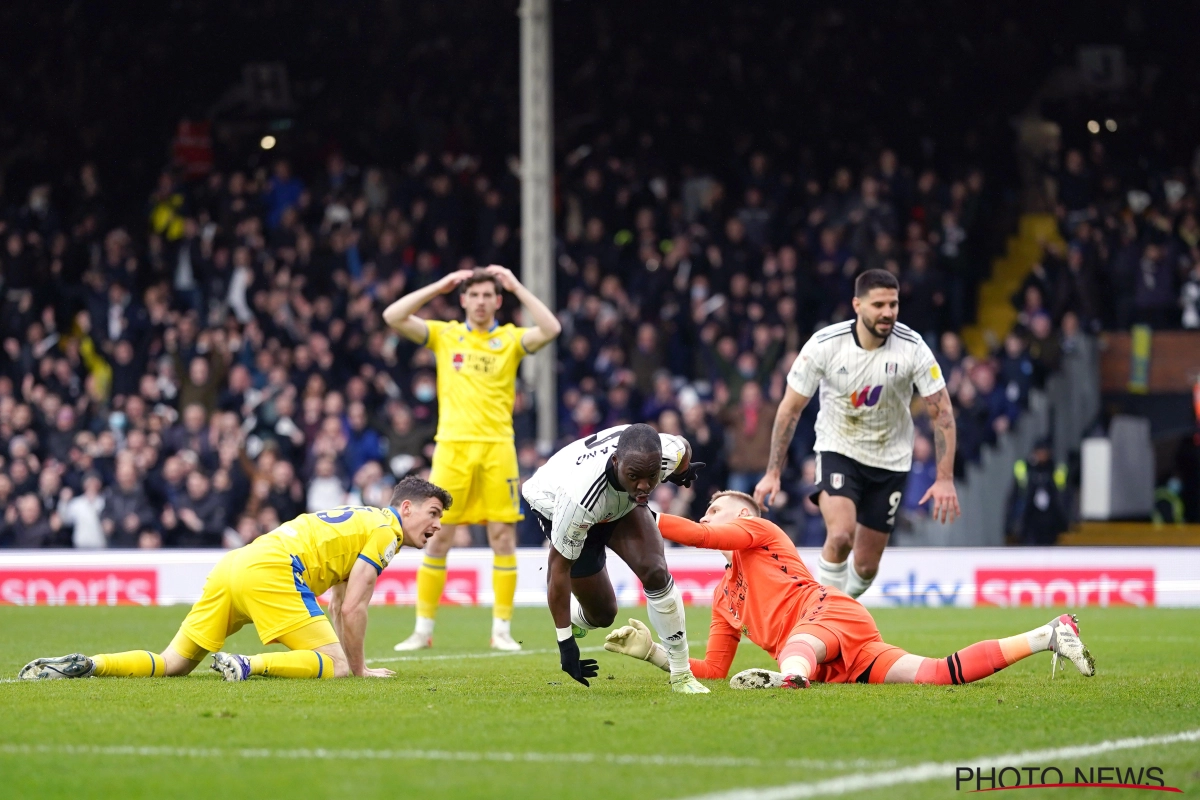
(687, 477)
(634, 640)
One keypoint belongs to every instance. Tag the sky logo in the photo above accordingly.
(866, 396)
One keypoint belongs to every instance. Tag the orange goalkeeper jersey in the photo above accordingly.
(766, 588)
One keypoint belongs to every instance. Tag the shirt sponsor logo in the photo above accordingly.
(867, 396)
(935, 372)
(457, 361)
(1064, 587)
(398, 587)
(78, 587)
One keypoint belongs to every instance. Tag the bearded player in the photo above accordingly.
(815, 632)
(475, 459)
(866, 369)
(592, 495)
(273, 583)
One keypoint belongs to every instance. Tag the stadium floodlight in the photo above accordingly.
(267, 142)
(1093, 126)
(1111, 125)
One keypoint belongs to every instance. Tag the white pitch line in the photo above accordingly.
(927, 771)
(619, 759)
(489, 654)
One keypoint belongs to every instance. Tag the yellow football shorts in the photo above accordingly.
(261, 586)
(483, 479)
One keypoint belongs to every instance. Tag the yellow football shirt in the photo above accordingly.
(476, 380)
(329, 543)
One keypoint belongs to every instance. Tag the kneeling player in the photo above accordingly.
(816, 633)
(590, 495)
(274, 583)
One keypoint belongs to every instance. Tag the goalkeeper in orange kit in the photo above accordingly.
(814, 632)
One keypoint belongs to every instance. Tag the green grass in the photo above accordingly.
(1147, 685)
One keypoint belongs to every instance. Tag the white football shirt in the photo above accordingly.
(573, 491)
(865, 394)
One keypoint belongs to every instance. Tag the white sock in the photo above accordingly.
(424, 626)
(501, 627)
(1039, 638)
(855, 583)
(665, 609)
(832, 574)
(795, 665)
(577, 616)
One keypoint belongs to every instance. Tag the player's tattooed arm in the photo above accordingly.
(943, 492)
(786, 417)
(941, 412)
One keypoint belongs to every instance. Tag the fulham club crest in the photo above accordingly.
(891, 368)
(837, 480)
(457, 361)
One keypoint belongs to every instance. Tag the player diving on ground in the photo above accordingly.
(274, 582)
(866, 369)
(593, 494)
(815, 633)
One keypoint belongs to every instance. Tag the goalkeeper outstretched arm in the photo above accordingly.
(634, 640)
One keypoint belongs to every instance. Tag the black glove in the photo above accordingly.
(568, 656)
(686, 477)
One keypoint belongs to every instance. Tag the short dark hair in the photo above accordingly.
(640, 438)
(875, 279)
(414, 488)
(477, 277)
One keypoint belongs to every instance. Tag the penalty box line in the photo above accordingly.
(616, 759)
(930, 770)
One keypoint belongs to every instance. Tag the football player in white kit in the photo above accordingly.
(866, 368)
(590, 495)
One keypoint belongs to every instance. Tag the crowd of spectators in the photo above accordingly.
(1132, 242)
(195, 382)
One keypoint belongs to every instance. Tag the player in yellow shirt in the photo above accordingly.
(476, 458)
(274, 582)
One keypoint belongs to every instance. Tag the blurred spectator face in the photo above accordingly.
(984, 379)
(29, 509)
(335, 404)
(268, 519)
(751, 395)
(19, 472)
(92, 485)
(123, 353)
(326, 468)
(693, 415)
(194, 418)
(647, 336)
(357, 417)
(49, 483)
(197, 485)
(951, 345)
(6, 487)
(966, 394)
(747, 365)
(127, 477)
(1014, 346)
(198, 371)
(247, 528)
(173, 470)
(481, 301)
(1070, 324)
(668, 422)
(1041, 326)
(580, 348)
(808, 471)
(1074, 162)
(282, 476)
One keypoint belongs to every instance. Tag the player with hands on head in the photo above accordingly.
(590, 495)
(866, 369)
(476, 458)
(814, 632)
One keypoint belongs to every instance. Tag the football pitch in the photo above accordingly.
(459, 722)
